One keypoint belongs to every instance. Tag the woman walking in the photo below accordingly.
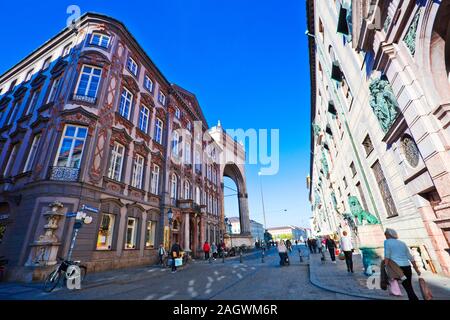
(331, 246)
(347, 248)
(397, 251)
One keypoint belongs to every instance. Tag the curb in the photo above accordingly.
(323, 287)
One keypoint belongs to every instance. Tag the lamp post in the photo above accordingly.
(228, 224)
(170, 219)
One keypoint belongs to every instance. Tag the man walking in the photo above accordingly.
(161, 254)
(310, 245)
(331, 246)
(347, 248)
(175, 253)
(206, 249)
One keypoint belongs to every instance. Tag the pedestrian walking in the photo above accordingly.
(398, 252)
(282, 252)
(214, 250)
(331, 246)
(309, 242)
(175, 253)
(318, 243)
(347, 248)
(289, 245)
(206, 249)
(161, 254)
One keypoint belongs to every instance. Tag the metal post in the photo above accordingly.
(223, 257)
(72, 244)
(240, 255)
(300, 255)
(262, 256)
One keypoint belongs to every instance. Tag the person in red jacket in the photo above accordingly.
(206, 249)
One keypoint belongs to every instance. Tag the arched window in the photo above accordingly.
(187, 190)
(173, 186)
(175, 144)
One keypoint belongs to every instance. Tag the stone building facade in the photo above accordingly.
(380, 113)
(87, 119)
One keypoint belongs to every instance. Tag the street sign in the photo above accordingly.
(71, 214)
(88, 208)
(77, 225)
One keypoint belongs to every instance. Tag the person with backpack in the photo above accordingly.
(206, 249)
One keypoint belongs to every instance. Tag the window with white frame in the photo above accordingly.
(46, 63)
(187, 153)
(173, 186)
(11, 160)
(71, 147)
(150, 232)
(28, 76)
(177, 113)
(116, 164)
(187, 190)
(88, 82)
(33, 102)
(54, 89)
(198, 195)
(175, 144)
(138, 172)
(125, 103)
(32, 153)
(155, 179)
(105, 232)
(158, 130)
(148, 83)
(132, 66)
(144, 114)
(161, 98)
(130, 241)
(99, 39)
(189, 126)
(198, 163)
(66, 49)
(13, 114)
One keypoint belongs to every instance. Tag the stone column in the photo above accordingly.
(243, 214)
(121, 232)
(186, 232)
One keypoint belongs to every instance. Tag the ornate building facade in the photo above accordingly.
(380, 113)
(88, 120)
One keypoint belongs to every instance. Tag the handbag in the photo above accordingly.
(178, 262)
(341, 256)
(425, 290)
(394, 288)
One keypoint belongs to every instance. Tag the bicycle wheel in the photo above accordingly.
(52, 281)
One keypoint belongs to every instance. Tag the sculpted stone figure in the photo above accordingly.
(383, 103)
(358, 212)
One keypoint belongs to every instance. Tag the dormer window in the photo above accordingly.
(132, 66)
(101, 40)
(148, 83)
(162, 98)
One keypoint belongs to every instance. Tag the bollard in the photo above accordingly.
(223, 257)
(209, 259)
(262, 257)
(240, 255)
(300, 255)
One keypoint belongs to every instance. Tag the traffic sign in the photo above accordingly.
(71, 214)
(88, 208)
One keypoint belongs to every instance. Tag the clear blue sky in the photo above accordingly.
(246, 60)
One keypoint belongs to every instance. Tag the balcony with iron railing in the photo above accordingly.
(64, 174)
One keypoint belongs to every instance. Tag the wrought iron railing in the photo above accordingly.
(64, 173)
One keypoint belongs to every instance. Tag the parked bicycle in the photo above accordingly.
(61, 271)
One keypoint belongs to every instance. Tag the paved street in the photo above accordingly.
(199, 280)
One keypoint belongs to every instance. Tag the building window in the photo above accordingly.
(353, 169)
(13, 114)
(32, 153)
(361, 195)
(138, 172)
(177, 113)
(161, 98)
(66, 50)
(158, 130)
(198, 164)
(410, 151)
(33, 102)
(46, 63)
(173, 186)
(187, 153)
(71, 147)
(132, 66)
(175, 144)
(384, 190)
(367, 144)
(197, 195)
(148, 83)
(54, 90)
(143, 118)
(187, 190)
(28, 76)
(189, 126)
(131, 236)
(105, 232)
(155, 180)
(88, 82)
(345, 182)
(100, 40)
(11, 160)
(150, 232)
(117, 156)
(125, 103)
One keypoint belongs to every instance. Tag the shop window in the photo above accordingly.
(150, 232)
(131, 234)
(105, 232)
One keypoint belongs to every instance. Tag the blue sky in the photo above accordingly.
(246, 61)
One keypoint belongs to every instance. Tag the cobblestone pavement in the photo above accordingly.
(335, 277)
(231, 280)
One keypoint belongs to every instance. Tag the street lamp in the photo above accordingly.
(262, 199)
(229, 225)
(170, 218)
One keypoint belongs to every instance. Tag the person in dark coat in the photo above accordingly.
(331, 246)
(310, 245)
(175, 253)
